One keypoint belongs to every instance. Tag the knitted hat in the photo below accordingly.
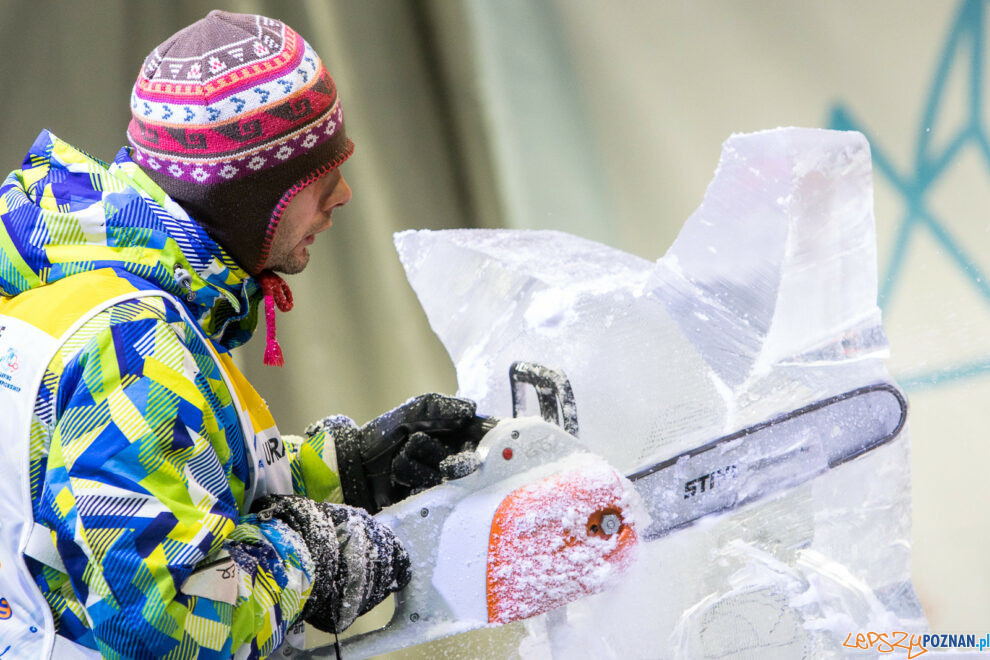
(232, 116)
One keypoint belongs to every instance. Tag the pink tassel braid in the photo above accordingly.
(276, 293)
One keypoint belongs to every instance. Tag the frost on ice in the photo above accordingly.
(766, 302)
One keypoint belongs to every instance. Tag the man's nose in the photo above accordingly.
(341, 194)
(346, 191)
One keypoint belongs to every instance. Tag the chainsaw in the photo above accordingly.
(544, 521)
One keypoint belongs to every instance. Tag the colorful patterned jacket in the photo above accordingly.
(138, 467)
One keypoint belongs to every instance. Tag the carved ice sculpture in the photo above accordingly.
(765, 302)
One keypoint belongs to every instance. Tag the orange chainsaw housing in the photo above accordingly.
(548, 545)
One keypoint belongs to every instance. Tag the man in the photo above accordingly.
(152, 508)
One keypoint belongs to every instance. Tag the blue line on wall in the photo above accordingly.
(965, 45)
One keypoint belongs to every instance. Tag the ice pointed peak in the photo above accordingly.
(781, 254)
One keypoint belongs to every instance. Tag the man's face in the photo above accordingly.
(307, 214)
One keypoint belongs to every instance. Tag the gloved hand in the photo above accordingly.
(358, 561)
(400, 452)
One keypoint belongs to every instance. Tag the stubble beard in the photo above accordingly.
(288, 263)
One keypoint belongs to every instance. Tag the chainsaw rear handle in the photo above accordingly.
(553, 391)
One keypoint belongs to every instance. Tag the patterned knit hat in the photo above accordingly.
(232, 116)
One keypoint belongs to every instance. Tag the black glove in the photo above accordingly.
(399, 453)
(358, 561)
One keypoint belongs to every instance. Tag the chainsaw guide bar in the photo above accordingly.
(769, 457)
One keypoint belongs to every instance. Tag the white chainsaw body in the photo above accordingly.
(478, 545)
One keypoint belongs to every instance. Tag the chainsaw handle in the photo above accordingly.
(553, 391)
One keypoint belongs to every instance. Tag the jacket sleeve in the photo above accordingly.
(145, 488)
(314, 465)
